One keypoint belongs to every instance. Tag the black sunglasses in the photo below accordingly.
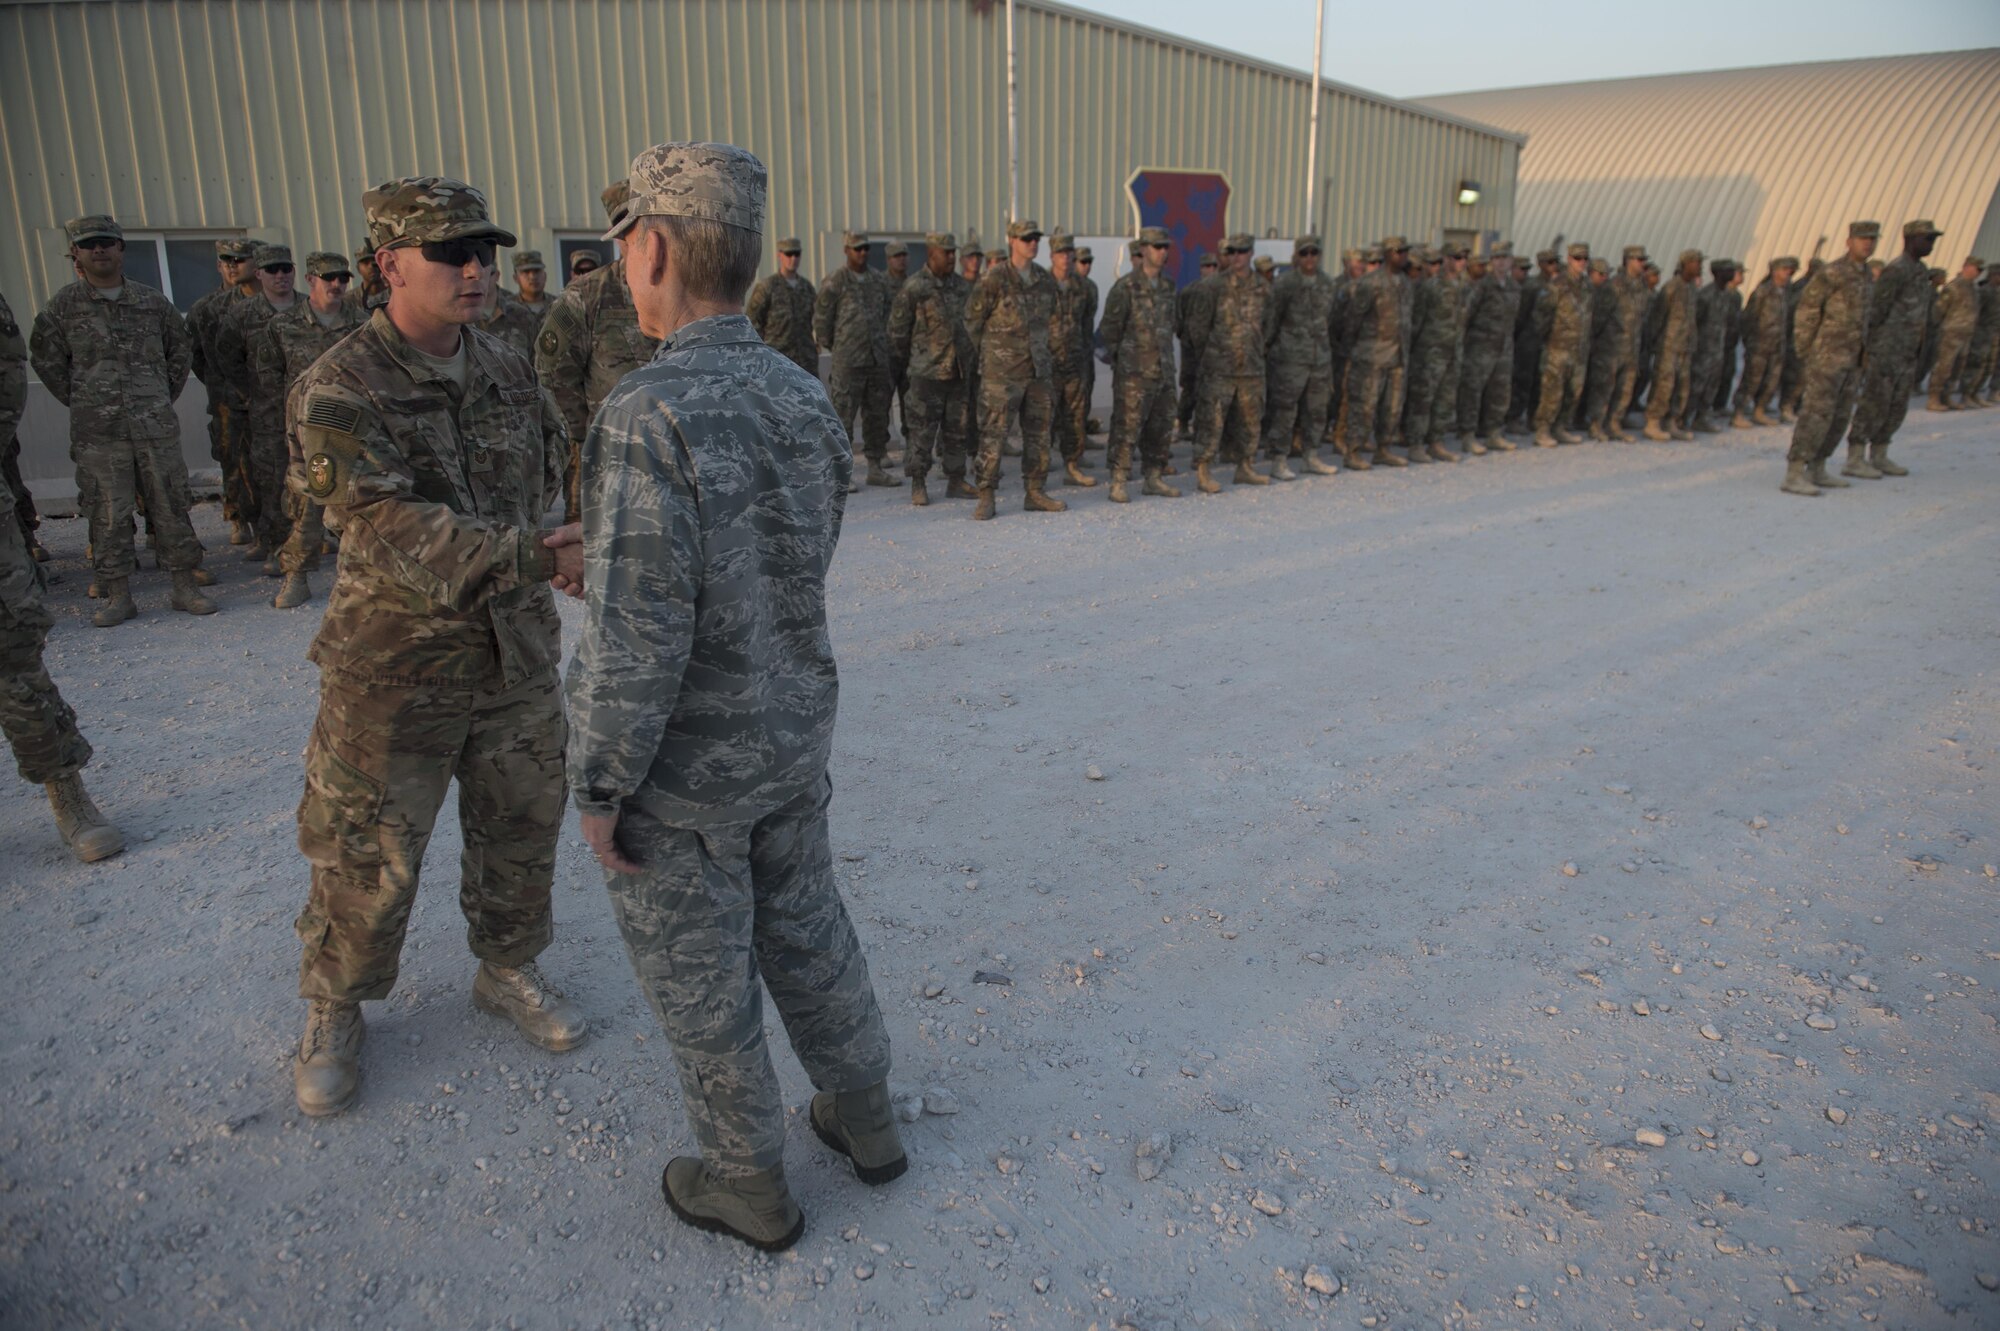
(1303, 253)
(340, 278)
(277, 268)
(578, 270)
(458, 253)
(1160, 245)
(99, 243)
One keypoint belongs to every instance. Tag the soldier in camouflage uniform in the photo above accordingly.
(1299, 361)
(1832, 338)
(435, 452)
(1007, 318)
(781, 309)
(1562, 319)
(1375, 351)
(1528, 325)
(531, 288)
(115, 352)
(1234, 325)
(896, 271)
(242, 330)
(1486, 373)
(1763, 346)
(14, 385)
(1070, 328)
(1092, 349)
(1619, 307)
(1642, 375)
(929, 353)
(1958, 315)
(1186, 303)
(1672, 320)
(1791, 380)
(48, 748)
(292, 341)
(589, 341)
(1353, 267)
(703, 698)
(1439, 330)
(509, 320)
(1711, 336)
(851, 324)
(1899, 309)
(228, 422)
(1977, 381)
(373, 292)
(1732, 338)
(1138, 329)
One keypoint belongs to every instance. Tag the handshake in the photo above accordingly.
(567, 543)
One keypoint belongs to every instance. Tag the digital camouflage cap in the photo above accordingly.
(613, 197)
(1024, 229)
(93, 227)
(529, 261)
(1083, 254)
(235, 249)
(1239, 242)
(267, 255)
(894, 248)
(1060, 241)
(1154, 235)
(417, 210)
(940, 240)
(790, 245)
(717, 182)
(1264, 263)
(326, 263)
(1864, 230)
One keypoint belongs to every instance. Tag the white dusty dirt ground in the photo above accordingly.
(1456, 827)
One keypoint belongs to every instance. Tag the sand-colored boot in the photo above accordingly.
(1076, 475)
(240, 532)
(756, 1207)
(1315, 465)
(1499, 443)
(326, 1069)
(1543, 439)
(296, 592)
(1118, 494)
(1858, 466)
(89, 835)
(920, 495)
(1155, 484)
(524, 996)
(1798, 481)
(1878, 457)
(983, 511)
(187, 596)
(1439, 453)
(1246, 474)
(1825, 482)
(118, 606)
(860, 1125)
(957, 487)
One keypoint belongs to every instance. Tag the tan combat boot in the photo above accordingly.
(1037, 500)
(1247, 474)
(756, 1207)
(1825, 482)
(920, 495)
(202, 577)
(1316, 466)
(1655, 433)
(1565, 435)
(1596, 434)
(1543, 439)
(1387, 457)
(1471, 444)
(1739, 422)
(1076, 475)
(1118, 494)
(1439, 453)
(240, 533)
(187, 596)
(1281, 470)
(1857, 464)
(1798, 481)
(296, 592)
(326, 1070)
(878, 474)
(860, 1126)
(89, 835)
(524, 996)
(1761, 417)
(1878, 457)
(118, 606)
(1354, 460)
(1499, 443)
(1204, 479)
(983, 511)
(1155, 484)
(957, 487)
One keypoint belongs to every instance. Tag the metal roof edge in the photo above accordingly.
(1428, 99)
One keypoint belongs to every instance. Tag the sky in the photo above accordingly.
(1464, 45)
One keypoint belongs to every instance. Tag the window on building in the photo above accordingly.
(179, 264)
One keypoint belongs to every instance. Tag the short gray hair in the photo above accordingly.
(718, 262)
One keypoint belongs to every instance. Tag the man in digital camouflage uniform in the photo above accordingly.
(116, 353)
(1898, 311)
(1711, 342)
(1958, 315)
(1486, 383)
(1831, 331)
(531, 287)
(243, 327)
(781, 309)
(589, 341)
(1007, 318)
(1139, 323)
(228, 423)
(1620, 308)
(1765, 323)
(1377, 317)
(929, 353)
(1672, 320)
(702, 702)
(435, 452)
(1186, 303)
(1069, 354)
(1299, 360)
(1232, 326)
(851, 324)
(1434, 348)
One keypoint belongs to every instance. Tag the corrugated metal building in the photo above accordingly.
(1755, 163)
(194, 118)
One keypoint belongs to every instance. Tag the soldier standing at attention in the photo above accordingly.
(851, 324)
(1352, 269)
(116, 353)
(1007, 318)
(1563, 319)
(1832, 332)
(1764, 320)
(1732, 338)
(896, 261)
(1186, 303)
(1375, 350)
(1233, 326)
(1898, 312)
(1487, 362)
(1792, 384)
(435, 452)
(1614, 348)
(236, 342)
(1711, 330)
(589, 341)
(531, 286)
(781, 309)
(1958, 314)
(929, 352)
(1673, 321)
(1300, 357)
(1434, 354)
(1528, 324)
(228, 427)
(292, 341)
(373, 293)
(1138, 329)
(1642, 376)
(703, 697)
(1266, 267)
(13, 401)
(1982, 354)
(48, 748)
(1069, 353)
(508, 319)
(1091, 424)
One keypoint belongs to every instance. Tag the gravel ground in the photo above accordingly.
(1554, 891)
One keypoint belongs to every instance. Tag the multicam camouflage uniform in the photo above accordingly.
(1138, 329)
(292, 341)
(1791, 380)
(1528, 325)
(1899, 307)
(1007, 317)
(851, 323)
(930, 350)
(14, 401)
(1375, 352)
(1958, 316)
(1982, 353)
(1070, 328)
(1614, 349)
(1235, 326)
(118, 365)
(1831, 333)
(781, 310)
(1732, 341)
(228, 423)
(1299, 358)
(1188, 315)
(1673, 319)
(242, 329)
(1486, 383)
(703, 695)
(1711, 337)
(438, 652)
(1764, 321)
(513, 323)
(1434, 342)
(1563, 319)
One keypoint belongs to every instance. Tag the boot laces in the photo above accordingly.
(529, 984)
(324, 1027)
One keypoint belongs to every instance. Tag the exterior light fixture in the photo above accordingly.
(1468, 193)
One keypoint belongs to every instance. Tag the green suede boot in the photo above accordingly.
(860, 1126)
(756, 1208)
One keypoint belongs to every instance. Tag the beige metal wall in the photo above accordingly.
(1756, 163)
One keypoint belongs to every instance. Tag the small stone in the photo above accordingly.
(1722, 1075)
(1993, 871)
(1793, 1287)
(1961, 1121)
(1569, 869)
(1988, 1281)
(864, 1271)
(1227, 1102)
(1319, 1281)
(909, 1106)
(1041, 1284)
(1230, 1162)
(1641, 1007)
(1150, 1156)
(937, 1100)
(84, 917)
(1093, 772)
(1316, 958)
(1709, 1032)
(933, 990)
(1865, 983)
(1727, 1246)
(992, 977)
(1630, 866)
(1618, 790)
(1759, 823)
(1387, 1164)
(1093, 1164)
(1836, 1115)
(1650, 1137)
(1413, 1215)
(1819, 1021)
(1841, 828)
(1265, 1202)
(1752, 1159)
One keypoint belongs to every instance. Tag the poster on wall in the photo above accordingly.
(1192, 205)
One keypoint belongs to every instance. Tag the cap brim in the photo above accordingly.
(478, 231)
(95, 235)
(620, 224)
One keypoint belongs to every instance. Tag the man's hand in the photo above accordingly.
(567, 542)
(601, 831)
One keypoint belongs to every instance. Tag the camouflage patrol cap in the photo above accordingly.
(1060, 241)
(790, 245)
(1636, 252)
(235, 249)
(1207, 261)
(326, 263)
(614, 197)
(1026, 228)
(940, 240)
(1690, 257)
(854, 240)
(1723, 269)
(1923, 226)
(578, 256)
(364, 253)
(1579, 249)
(1864, 230)
(1350, 256)
(1652, 268)
(1307, 242)
(1154, 235)
(1503, 250)
(1790, 261)
(529, 261)
(716, 182)
(1452, 250)
(1423, 254)
(80, 229)
(415, 210)
(1374, 254)
(1394, 243)
(1976, 262)
(1545, 256)
(1239, 242)
(266, 255)
(994, 258)
(1600, 266)
(895, 247)
(1264, 263)
(1083, 254)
